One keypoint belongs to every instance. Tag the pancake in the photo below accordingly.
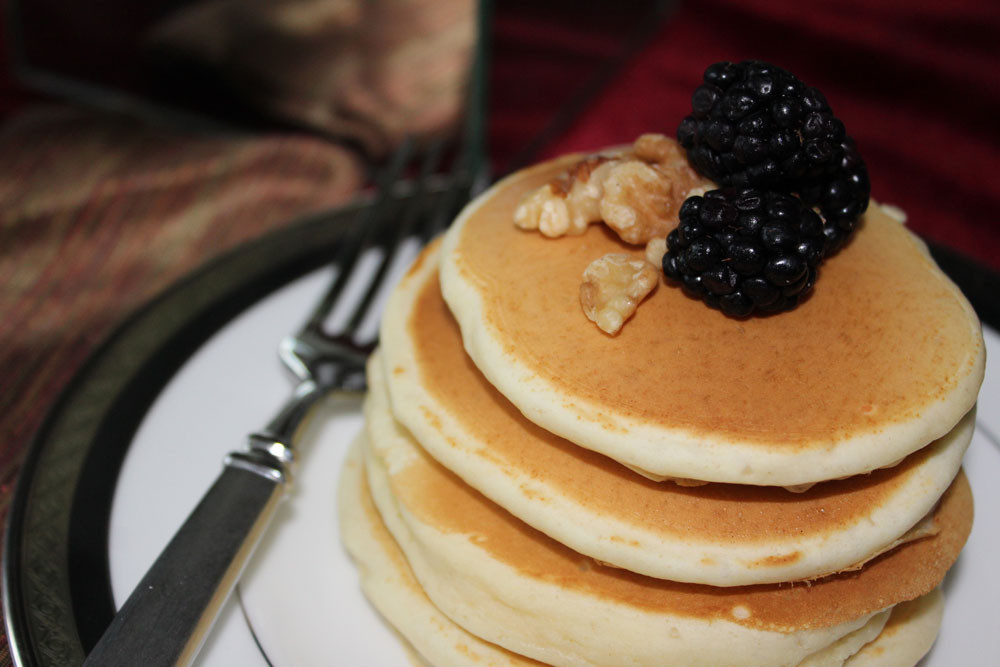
(884, 357)
(391, 587)
(907, 636)
(512, 586)
(721, 534)
(841, 650)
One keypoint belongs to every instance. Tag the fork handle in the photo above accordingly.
(167, 616)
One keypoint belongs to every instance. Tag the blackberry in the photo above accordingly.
(841, 198)
(755, 124)
(744, 250)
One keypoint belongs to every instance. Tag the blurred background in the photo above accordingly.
(84, 84)
(139, 140)
(915, 81)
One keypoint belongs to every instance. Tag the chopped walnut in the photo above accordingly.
(612, 288)
(543, 211)
(637, 193)
(655, 250)
(637, 202)
(643, 199)
(657, 148)
(567, 204)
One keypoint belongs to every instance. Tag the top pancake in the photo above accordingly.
(884, 357)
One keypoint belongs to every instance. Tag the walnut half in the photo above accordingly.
(636, 192)
(567, 204)
(643, 194)
(612, 288)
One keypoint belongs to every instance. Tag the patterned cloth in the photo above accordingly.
(372, 72)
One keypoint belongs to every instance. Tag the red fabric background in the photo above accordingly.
(916, 82)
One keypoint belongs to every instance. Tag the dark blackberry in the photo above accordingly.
(841, 198)
(755, 124)
(744, 250)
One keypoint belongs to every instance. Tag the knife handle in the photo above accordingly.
(168, 615)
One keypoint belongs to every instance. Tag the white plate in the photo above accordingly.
(301, 595)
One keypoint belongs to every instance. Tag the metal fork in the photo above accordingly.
(324, 361)
(167, 616)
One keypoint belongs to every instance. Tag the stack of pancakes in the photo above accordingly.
(697, 490)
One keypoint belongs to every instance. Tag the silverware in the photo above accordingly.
(168, 615)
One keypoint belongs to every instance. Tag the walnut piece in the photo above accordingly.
(637, 193)
(612, 288)
(637, 202)
(569, 203)
(657, 148)
(644, 195)
(655, 250)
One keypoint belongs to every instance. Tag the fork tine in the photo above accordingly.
(349, 250)
(414, 210)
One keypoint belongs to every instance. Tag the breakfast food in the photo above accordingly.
(907, 632)
(772, 481)
(392, 588)
(754, 124)
(636, 192)
(585, 500)
(514, 588)
(884, 357)
(741, 248)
